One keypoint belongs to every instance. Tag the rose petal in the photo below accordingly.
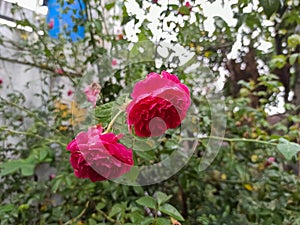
(158, 95)
(99, 156)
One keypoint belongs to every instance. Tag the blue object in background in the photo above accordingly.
(59, 18)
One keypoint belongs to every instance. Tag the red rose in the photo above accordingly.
(99, 156)
(160, 102)
(70, 92)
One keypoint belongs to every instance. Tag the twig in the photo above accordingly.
(231, 140)
(33, 135)
(80, 215)
(106, 216)
(68, 74)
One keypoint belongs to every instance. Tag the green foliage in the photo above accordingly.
(103, 113)
(288, 149)
(270, 6)
(171, 211)
(294, 40)
(148, 202)
(159, 204)
(278, 61)
(183, 10)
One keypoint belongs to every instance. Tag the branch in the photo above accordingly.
(80, 215)
(43, 67)
(106, 216)
(231, 140)
(33, 135)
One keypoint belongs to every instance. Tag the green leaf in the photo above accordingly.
(183, 10)
(147, 155)
(24, 23)
(278, 61)
(116, 209)
(98, 26)
(293, 58)
(288, 149)
(104, 110)
(132, 175)
(56, 184)
(142, 36)
(294, 40)
(9, 167)
(138, 190)
(47, 52)
(103, 113)
(109, 6)
(6, 208)
(147, 201)
(147, 221)
(171, 211)
(100, 206)
(43, 152)
(173, 6)
(163, 221)
(143, 145)
(68, 181)
(162, 197)
(92, 222)
(27, 169)
(269, 6)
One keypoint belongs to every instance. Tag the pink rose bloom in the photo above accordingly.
(114, 62)
(92, 93)
(160, 102)
(99, 156)
(51, 24)
(270, 161)
(1, 81)
(59, 71)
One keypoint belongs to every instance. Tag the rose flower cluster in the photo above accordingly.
(159, 102)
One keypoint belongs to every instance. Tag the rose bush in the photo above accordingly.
(99, 156)
(160, 102)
